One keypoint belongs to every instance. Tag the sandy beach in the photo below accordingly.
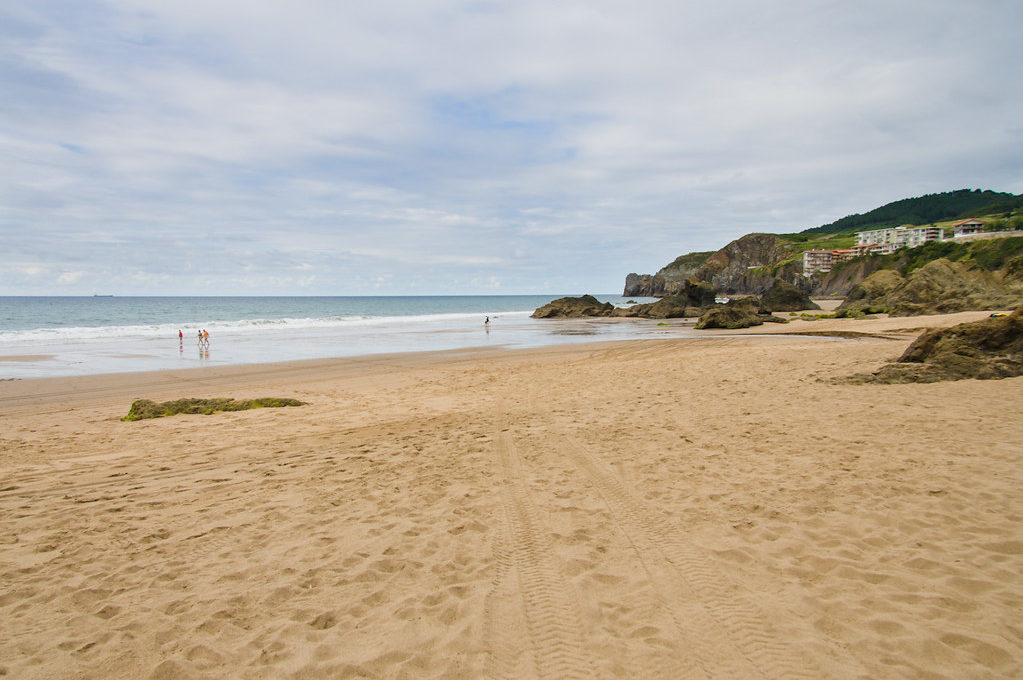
(689, 508)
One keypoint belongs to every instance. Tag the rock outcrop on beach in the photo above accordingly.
(691, 296)
(673, 307)
(784, 297)
(740, 313)
(938, 287)
(985, 350)
(573, 308)
(142, 409)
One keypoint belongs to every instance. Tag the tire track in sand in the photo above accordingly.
(700, 598)
(553, 638)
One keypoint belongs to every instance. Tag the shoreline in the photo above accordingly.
(168, 383)
(619, 509)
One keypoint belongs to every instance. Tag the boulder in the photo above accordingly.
(784, 297)
(573, 308)
(739, 313)
(988, 349)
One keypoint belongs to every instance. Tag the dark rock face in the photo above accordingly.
(939, 287)
(574, 307)
(784, 297)
(643, 285)
(985, 350)
(730, 269)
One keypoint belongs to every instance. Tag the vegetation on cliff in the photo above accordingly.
(939, 287)
(926, 209)
(749, 265)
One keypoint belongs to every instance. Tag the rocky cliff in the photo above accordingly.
(669, 280)
(748, 265)
(939, 287)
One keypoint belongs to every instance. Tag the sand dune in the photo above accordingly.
(710, 508)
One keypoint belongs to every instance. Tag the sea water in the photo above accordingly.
(62, 336)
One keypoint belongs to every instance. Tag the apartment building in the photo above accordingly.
(889, 240)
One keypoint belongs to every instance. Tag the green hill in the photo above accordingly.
(927, 209)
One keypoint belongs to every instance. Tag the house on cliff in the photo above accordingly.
(967, 227)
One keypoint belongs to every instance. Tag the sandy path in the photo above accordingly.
(689, 509)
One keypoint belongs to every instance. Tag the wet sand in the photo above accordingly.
(704, 508)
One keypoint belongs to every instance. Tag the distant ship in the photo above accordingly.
(98, 295)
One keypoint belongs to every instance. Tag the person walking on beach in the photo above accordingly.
(181, 336)
(206, 337)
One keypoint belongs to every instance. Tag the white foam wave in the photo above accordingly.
(88, 334)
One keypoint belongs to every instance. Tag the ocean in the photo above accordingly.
(64, 336)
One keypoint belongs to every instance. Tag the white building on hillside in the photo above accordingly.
(817, 261)
(890, 240)
(967, 227)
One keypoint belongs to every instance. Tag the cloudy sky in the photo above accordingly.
(473, 146)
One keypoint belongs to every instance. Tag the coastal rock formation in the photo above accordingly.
(674, 307)
(784, 297)
(669, 280)
(573, 307)
(744, 266)
(839, 282)
(733, 268)
(741, 313)
(938, 287)
(987, 349)
(690, 296)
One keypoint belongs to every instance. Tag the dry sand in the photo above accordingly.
(660, 509)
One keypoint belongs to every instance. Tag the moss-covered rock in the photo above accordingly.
(146, 408)
(784, 297)
(573, 307)
(988, 349)
(939, 287)
(738, 313)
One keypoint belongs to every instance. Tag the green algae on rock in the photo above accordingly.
(146, 408)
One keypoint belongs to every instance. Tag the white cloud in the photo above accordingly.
(441, 143)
